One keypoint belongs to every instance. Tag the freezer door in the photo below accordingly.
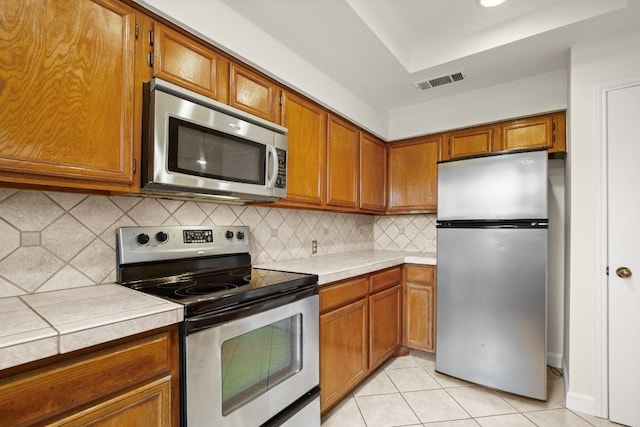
(491, 308)
(506, 186)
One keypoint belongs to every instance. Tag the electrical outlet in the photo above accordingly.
(314, 247)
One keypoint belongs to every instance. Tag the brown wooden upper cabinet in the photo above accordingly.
(342, 163)
(72, 122)
(373, 173)
(307, 125)
(253, 93)
(186, 62)
(547, 131)
(413, 175)
(470, 142)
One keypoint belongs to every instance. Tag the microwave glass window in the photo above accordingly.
(196, 150)
(258, 360)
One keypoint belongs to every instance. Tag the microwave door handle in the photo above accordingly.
(273, 155)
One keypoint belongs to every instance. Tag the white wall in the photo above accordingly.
(533, 95)
(592, 65)
(555, 288)
(217, 23)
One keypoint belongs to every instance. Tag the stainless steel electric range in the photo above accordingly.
(250, 336)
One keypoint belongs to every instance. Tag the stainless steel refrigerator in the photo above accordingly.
(492, 271)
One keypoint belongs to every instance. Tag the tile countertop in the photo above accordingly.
(44, 324)
(334, 267)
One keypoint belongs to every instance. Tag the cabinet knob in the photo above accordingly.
(623, 272)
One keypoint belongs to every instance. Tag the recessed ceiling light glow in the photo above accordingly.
(490, 3)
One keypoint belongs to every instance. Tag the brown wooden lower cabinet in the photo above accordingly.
(343, 350)
(385, 322)
(420, 307)
(360, 328)
(132, 381)
(147, 405)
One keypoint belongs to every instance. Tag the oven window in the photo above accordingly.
(197, 150)
(254, 362)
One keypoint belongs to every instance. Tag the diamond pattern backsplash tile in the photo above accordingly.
(55, 240)
(405, 233)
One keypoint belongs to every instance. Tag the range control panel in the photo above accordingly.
(146, 244)
(197, 236)
(281, 180)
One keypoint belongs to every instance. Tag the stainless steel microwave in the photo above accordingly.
(193, 145)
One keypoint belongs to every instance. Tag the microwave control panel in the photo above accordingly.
(281, 180)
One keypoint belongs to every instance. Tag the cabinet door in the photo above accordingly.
(253, 93)
(420, 308)
(343, 351)
(68, 94)
(530, 133)
(373, 173)
(470, 142)
(385, 324)
(307, 125)
(413, 175)
(342, 164)
(559, 135)
(148, 405)
(187, 63)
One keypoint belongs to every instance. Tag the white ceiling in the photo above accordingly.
(379, 49)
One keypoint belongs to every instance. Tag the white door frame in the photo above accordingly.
(601, 295)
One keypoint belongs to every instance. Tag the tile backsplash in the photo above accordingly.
(53, 240)
(405, 233)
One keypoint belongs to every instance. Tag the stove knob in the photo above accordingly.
(161, 236)
(229, 234)
(240, 235)
(142, 238)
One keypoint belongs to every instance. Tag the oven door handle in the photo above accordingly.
(238, 311)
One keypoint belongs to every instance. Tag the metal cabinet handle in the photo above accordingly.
(623, 272)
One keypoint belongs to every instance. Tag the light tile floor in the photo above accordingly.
(407, 391)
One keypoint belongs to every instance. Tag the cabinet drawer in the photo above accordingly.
(145, 405)
(385, 279)
(342, 293)
(416, 273)
(58, 388)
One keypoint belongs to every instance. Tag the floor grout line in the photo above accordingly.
(385, 368)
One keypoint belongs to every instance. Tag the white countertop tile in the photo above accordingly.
(24, 335)
(331, 268)
(69, 310)
(77, 338)
(20, 323)
(44, 324)
(66, 296)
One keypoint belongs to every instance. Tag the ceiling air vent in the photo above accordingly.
(439, 81)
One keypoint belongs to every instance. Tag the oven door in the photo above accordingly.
(245, 371)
